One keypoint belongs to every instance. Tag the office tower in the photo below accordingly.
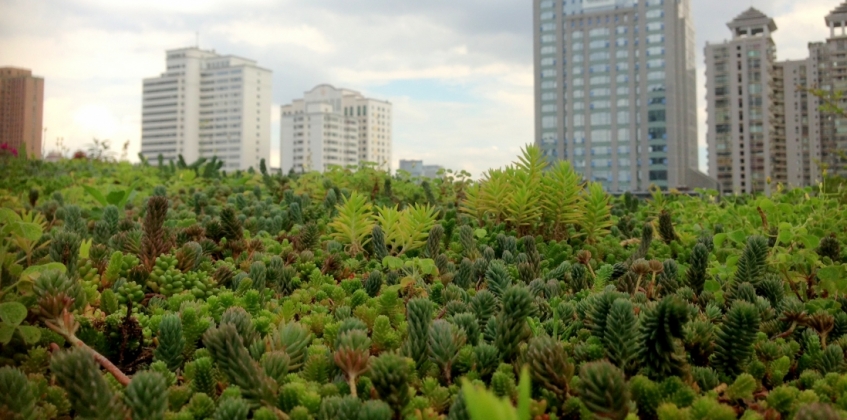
(416, 168)
(21, 110)
(615, 91)
(331, 126)
(745, 96)
(206, 105)
(801, 121)
(828, 71)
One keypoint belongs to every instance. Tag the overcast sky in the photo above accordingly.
(459, 73)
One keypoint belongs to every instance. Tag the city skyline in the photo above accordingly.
(464, 88)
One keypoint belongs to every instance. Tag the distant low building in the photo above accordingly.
(418, 169)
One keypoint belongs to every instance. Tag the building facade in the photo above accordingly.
(615, 91)
(745, 101)
(334, 127)
(21, 110)
(828, 71)
(416, 168)
(207, 105)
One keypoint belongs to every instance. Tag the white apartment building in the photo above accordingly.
(206, 105)
(331, 126)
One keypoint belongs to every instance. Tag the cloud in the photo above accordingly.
(459, 74)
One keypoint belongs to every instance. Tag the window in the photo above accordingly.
(623, 102)
(656, 115)
(579, 137)
(547, 84)
(579, 151)
(622, 78)
(621, 54)
(620, 30)
(656, 75)
(655, 63)
(624, 176)
(600, 43)
(577, 94)
(623, 135)
(601, 136)
(655, 26)
(599, 68)
(600, 92)
(548, 38)
(577, 58)
(600, 104)
(549, 108)
(599, 32)
(623, 117)
(548, 73)
(621, 42)
(600, 55)
(548, 96)
(547, 15)
(601, 118)
(600, 163)
(577, 70)
(623, 66)
(655, 39)
(548, 122)
(579, 81)
(655, 51)
(576, 35)
(623, 150)
(549, 49)
(657, 133)
(548, 138)
(548, 61)
(546, 4)
(577, 45)
(547, 27)
(579, 106)
(600, 80)
(652, 14)
(659, 161)
(578, 120)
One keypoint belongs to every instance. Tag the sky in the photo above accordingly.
(458, 73)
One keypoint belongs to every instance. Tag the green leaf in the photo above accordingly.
(524, 398)
(94, 192)
(30, 231)
(712, 286)
(84, 248)
(480, 233)
(8, 215)
(719, 239)
(116, 197)
(6, 332)
(392, 263)
(187, 175)
(30, 334)
(12, 313)
(739, 237)
(32, 273)
(810, 241)
(784, 236)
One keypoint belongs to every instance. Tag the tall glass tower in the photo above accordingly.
(615, 91)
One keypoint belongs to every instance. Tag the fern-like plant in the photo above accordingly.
(596, 213)
(560, 200)
(353, 224)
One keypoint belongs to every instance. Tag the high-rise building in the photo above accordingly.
(745, 96)
(21, 110)
(334, 127)
(828, 71)
(615, 91)
(206, 105)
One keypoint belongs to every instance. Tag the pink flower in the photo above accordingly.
(5, 148)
